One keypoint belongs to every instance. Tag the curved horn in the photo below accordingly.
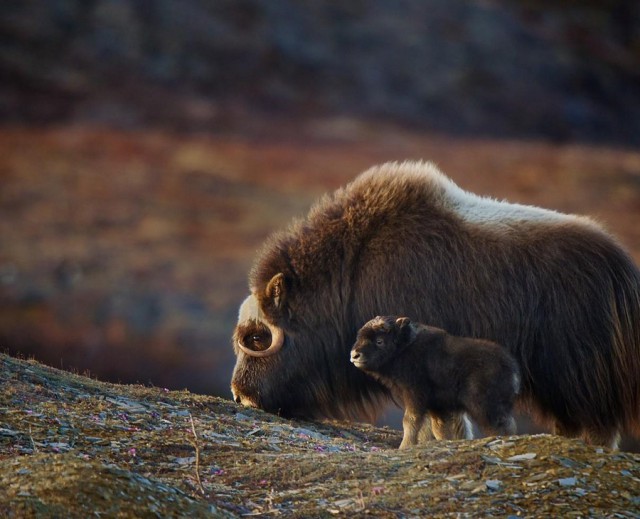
(249, 309)
(277, 340)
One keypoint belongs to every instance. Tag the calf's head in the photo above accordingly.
(380, 340)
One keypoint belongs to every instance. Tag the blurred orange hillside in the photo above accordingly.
(126, 253)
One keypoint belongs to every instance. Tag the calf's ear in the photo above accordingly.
(275, 290)
(407, 330)
(402, 322)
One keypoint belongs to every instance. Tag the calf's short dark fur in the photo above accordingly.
(436, 374)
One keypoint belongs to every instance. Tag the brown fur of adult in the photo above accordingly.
(556, 290)
(437, 375)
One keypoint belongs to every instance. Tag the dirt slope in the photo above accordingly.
(72, 446)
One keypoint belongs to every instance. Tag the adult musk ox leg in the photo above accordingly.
(608, 438)
(566, 430)
(505, 426)
(494, 415)
(509, 427)
(454, 426)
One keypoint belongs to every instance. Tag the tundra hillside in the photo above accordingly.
(127, 252)
(73, 446)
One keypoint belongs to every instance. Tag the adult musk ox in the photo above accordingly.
(402, 239)
(437, 374)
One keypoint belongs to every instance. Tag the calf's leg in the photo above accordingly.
(412, 422)
(452, 426)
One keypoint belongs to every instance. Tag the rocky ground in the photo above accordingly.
(147, 149)
(72, 446)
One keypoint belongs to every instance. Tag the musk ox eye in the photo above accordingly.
(379, 341)
(256, 341)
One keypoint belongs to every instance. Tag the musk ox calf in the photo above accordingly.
(556, 290)
(436, 374)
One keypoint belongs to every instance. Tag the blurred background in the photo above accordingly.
(148, 147)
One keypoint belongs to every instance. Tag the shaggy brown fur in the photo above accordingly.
(556, 290)
(436, 374)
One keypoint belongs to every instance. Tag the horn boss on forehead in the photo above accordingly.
(252, 331)
(402, 239)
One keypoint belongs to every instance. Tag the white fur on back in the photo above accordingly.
(469, 206)
(478, 209)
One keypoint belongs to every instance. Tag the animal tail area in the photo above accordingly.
(626, 341)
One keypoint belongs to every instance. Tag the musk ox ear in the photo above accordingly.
(402, 322)
(275, 290)
(406, 330)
